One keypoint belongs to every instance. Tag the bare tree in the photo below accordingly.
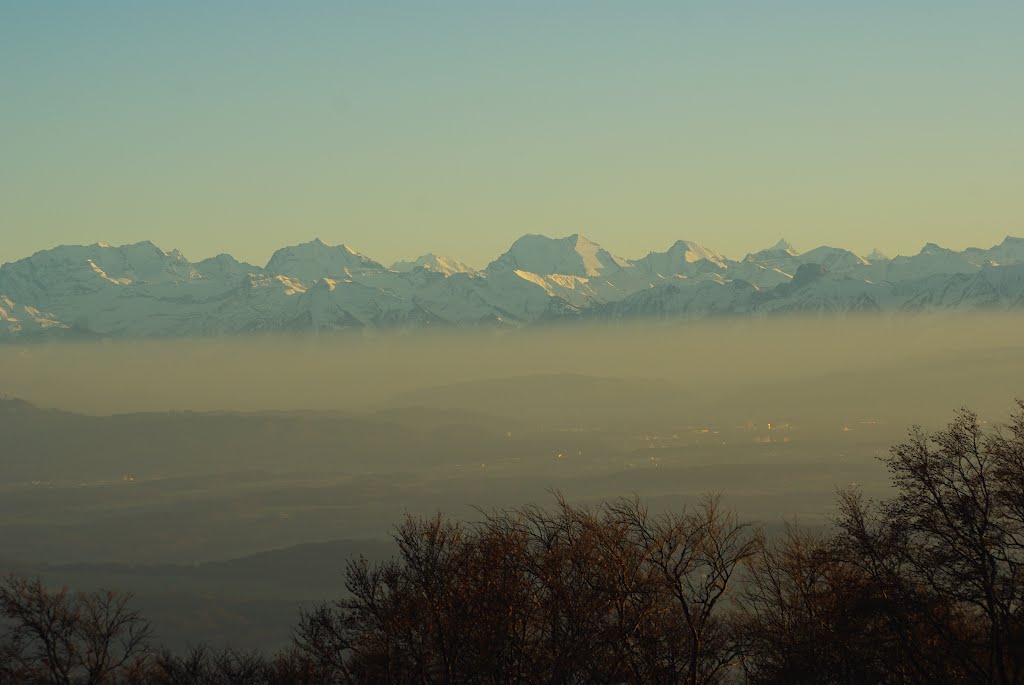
(566, 594)
(947, 550)
(807, 616)
(696, 555)
(63, 637)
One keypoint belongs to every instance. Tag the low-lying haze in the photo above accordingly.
(126, 464)
(857, 362)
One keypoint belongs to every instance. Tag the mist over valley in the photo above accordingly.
(128, 463)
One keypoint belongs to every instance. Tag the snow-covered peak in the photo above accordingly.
(833, 258)
(431, 262)
(692, 252)
(934, 249)
(877, 256)
(574, 255)
(225, 266)
(141, 262)
(680, 260)
(1010, 251)
(315, 260)
(783, 246)
(933, 260)
(781, 256)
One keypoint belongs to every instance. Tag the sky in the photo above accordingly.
(404, 127)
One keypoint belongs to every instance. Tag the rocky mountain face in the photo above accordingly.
(141, 291)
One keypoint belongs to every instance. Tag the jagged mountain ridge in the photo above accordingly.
(140, 290)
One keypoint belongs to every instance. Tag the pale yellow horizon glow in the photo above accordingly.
(455, 127)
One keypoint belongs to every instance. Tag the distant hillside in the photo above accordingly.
(43, 444)
(308, 568)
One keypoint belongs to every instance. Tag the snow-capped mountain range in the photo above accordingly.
(140, 290)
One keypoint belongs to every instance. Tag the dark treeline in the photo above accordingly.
(924, 587)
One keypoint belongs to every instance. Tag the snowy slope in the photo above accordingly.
(442, 264)
(930, 261)
(16, 319)
(571, 256)
(683, 258)
(140, 290)
(315, 260)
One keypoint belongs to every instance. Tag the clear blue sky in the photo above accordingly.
(403, 127)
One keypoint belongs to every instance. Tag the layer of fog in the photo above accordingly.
(444, 421)
(917, 364)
